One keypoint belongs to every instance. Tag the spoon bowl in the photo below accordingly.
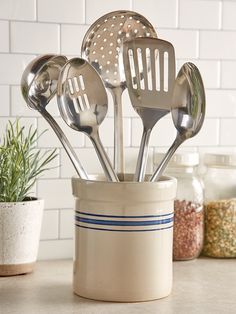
(188, 110)
(188, 107)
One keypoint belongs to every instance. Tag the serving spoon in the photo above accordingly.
(83, 104)
(38, 86)
(188, 110)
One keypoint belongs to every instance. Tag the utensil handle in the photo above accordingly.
(163, 164)
(142, 156)
(118, 132)
(66, 144)
(102, 155)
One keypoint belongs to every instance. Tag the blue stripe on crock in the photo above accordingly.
(124, 230)
(113, 216)
(124, 223)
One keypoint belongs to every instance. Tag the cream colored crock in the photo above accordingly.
(123, 239)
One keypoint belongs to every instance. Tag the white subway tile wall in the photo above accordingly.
(202, 31)
(34, 37)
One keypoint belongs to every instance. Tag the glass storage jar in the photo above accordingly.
(220, 205)
(188, 208)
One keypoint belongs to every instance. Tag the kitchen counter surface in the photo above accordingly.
(200, 286)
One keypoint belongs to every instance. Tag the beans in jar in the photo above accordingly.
(188, 230)
(220, 228)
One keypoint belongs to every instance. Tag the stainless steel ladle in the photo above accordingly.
(38, 86)
(188, 110)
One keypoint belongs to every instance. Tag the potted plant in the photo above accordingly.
(20, 213)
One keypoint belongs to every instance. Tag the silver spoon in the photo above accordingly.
(83, 104)
(38, 86)
(188, 110)
(150, 76)
(101, 47)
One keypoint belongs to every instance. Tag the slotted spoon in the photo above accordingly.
(38, 86)
(150, 75)
(101, 47)
(82, 102)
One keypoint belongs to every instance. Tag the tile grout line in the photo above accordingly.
(59, 224)
(84, 12)
(220, 15)
(177, 14)
(232, 30)
(36, 10)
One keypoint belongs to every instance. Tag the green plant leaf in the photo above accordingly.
(21, 162)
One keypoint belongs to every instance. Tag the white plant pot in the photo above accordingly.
(20, 225)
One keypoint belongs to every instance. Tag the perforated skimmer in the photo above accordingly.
(102, 47)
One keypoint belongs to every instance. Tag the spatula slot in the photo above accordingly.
(157, 69)
(166, 71)
(140, 66)
(132, 68)
(149, 73)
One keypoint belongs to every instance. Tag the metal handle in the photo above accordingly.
(118, 131)
(158, 172)
(65, 143)
(142, 156)
(102, 155)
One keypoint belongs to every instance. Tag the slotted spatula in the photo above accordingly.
(150, 75)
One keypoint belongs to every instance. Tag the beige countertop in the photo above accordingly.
(200, 286)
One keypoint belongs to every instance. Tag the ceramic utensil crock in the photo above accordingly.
(123, 239)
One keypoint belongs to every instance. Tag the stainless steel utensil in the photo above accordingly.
(188, 110)
(83, 104)
(150, 76)
(101, 47)
(38, 86)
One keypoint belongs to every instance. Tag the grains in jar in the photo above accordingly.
(188, 211)
(220, 228)
(220, 205)
(188, 230)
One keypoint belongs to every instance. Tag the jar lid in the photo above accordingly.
(221, 160)
(182, 159)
